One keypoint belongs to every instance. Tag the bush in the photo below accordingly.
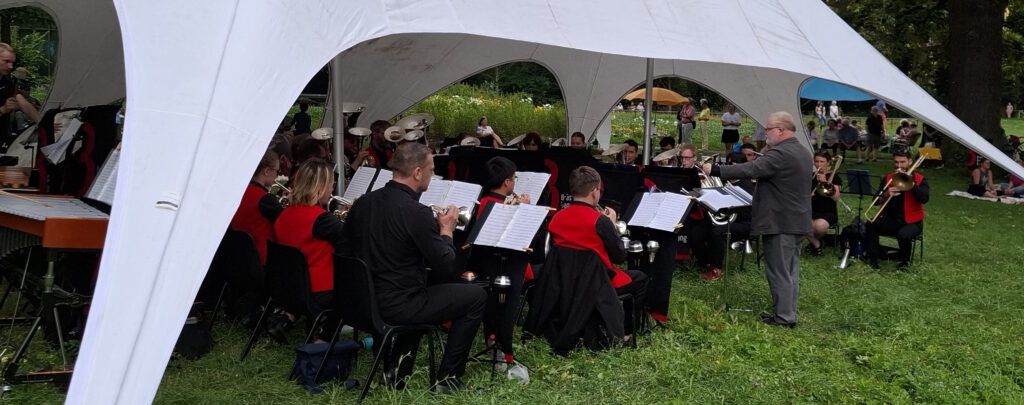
(459, 107)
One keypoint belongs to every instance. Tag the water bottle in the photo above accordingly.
(367, 343)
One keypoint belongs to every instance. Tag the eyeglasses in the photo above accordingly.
(688, 157)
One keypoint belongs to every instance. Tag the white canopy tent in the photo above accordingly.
(207, 83)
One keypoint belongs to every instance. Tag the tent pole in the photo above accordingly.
(647, 111)
(338, 115)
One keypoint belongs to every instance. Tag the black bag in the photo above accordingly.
(195, 339)
(338, 366)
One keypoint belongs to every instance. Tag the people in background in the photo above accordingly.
(731, 122)
(531, 142)
(487, 135)
(577, 140)
(981, 180)
(703, 118)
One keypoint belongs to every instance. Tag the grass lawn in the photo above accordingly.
(948, 330)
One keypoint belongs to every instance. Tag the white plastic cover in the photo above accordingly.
(207, 83)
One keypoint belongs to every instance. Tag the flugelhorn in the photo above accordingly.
(902, 181)
(465, 214)
(827, 189)
(342, 211)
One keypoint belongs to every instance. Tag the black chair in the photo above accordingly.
(356, 301)
(236, 265)
(288, 286)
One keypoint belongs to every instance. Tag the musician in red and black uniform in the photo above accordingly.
(259, 209)
(697, 230)
(903, 217)
(380, 148)
(307, 226)
(579, 279)
(499, 319)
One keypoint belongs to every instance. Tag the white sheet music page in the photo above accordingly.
(531, 183)
(102, 188)
(647, 209)
(436, 192)
(383, 177)
(495, 225)
(463, 194)
(740, 193)
(717, 200)
(670, 212)
(521, 230)
(360, 183)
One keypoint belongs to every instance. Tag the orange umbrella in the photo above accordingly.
(661, 96)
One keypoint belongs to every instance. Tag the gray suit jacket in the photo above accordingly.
(782, 197)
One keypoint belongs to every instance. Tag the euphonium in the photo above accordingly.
(465, 214)
(709, 181)
(827, 189)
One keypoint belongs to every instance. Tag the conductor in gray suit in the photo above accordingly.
(781, 210)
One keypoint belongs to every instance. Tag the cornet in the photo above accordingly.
(342, 212)
(282, 198)
(465, 214)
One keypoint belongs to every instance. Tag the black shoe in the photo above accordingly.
(775, 321)
(817, 251)
(903, 266)
(389, 379)
(280, 324)
(448, 385)
(873, 264)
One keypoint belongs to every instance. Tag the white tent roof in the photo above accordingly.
(207, 83)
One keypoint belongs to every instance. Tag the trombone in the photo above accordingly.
(902, 181)
(827, 189)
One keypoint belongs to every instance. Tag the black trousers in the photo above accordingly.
(462, 304)
(638, 289)
(903, 232)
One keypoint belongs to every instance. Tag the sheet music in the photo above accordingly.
(360, 183)
(511, 226)
(383, 177)
(531, 183)
(436, 192)
(661, 211)
(54, 152)
(647, 209)
(740, 193)
(495, 225)
(716, 199)
(521, 230)
(102, 188)
(463, 194)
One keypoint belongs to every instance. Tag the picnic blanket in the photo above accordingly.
(1004, 199)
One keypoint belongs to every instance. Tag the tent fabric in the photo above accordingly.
(825, 90)
(207, 82)
(89, 63)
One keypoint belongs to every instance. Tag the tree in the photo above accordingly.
(975, 64)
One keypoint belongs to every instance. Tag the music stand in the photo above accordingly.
(859, 182)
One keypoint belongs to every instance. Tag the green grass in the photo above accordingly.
(947, 331)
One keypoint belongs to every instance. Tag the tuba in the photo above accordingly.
(709, 181)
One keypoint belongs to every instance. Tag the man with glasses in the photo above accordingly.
(697, 227)
(781, 210)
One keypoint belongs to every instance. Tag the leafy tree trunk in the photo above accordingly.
(975, 70)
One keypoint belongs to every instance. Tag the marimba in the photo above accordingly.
(57, 224)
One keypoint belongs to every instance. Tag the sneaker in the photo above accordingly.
(712, 275)
(280, 324)
(448, 385)
(903, 266)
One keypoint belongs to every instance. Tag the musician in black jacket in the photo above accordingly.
(399, 238)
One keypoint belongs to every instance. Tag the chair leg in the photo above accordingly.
(374, 367)
(216, 306)
(256, 331)
(322, 315)
(432, 373)
(330, 348)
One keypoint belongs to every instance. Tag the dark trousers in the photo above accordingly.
(638, 289)
(699, 238)
(462, 304)
(782, 269)
(903, 232)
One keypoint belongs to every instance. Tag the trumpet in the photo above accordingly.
(465, 214)
(902, 181)
(827, 189)
(345, 206)
(282, 198)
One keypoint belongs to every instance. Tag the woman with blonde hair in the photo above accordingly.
(308, 226)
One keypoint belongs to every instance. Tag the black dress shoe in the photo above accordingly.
(903, 266)
(449, 385)
(775, 321)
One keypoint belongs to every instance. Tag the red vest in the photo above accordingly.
(377, 162)
(294, 227)
(574, 227)
(248, 219)
(913, 211)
